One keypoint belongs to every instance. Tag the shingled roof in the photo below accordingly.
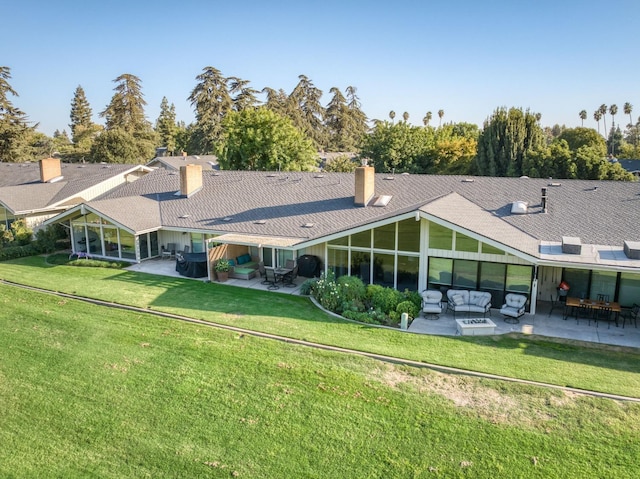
(21, 189)
(310, 206)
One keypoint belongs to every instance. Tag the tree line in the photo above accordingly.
(287, 130)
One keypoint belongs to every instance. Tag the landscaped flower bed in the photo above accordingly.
(371, 304)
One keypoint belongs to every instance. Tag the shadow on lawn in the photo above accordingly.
(183, 295)
(592, 354)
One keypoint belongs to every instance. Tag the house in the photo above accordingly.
(498, 235)
(38, 191)
(632, 166)
(207, 162)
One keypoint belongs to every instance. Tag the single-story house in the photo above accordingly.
(38, 191)
(207, 162)
(417, 232)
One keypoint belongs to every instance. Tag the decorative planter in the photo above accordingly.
(222, 276)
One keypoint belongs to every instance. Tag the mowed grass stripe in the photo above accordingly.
(92, 391)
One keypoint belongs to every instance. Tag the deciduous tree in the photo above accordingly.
(260, 139)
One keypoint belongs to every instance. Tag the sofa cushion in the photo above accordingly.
(483, 301)
(457, 299)
(245, 258)
(232, 262)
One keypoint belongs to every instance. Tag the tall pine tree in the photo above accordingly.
(80, 114)
(166, 125)
(211, 101)
(14, 128)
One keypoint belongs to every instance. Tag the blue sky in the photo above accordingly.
(467, 58)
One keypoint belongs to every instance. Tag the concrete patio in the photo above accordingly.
(542, 323)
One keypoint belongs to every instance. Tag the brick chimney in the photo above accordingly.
(190, 179)
(50, 169)
(365, 185)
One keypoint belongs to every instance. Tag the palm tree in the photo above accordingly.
(596, 116)
(603, 112)
(392, 115)
(427, 118)
(405, 116)
(613, 110)
(583, 116)
(628, 108)
(440, 115)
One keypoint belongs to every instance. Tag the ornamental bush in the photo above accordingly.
(383, 299)
(408, 307)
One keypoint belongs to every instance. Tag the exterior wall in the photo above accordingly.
(549, 278)
(317, 250)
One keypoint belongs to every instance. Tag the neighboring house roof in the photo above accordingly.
(310, 206)
(208, 162)
(632, 166)
(22, 191)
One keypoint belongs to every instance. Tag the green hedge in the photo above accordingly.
(13, 252)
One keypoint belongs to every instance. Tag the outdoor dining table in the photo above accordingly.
(593, 304)
(281, 272)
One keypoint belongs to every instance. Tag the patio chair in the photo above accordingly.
(270, 279)
(432, 303)
(604, 314)
(513, 307)
(263, 272)
(288, 279)
(603, 297)
(556, 303)
(289, 264)
(171, 248)
(583, 312)
(632, 315)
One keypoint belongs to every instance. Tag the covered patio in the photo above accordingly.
(543, 323)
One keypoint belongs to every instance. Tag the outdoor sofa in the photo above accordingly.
(243, 267)
(465, 301)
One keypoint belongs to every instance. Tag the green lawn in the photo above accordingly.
(88, 391)
(601, 369)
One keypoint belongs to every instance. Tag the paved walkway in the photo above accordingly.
(541, 323)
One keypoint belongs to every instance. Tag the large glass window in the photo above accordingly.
(111, 242)
(629, 292)
(361, 266)
(519, 278)
(384, 237)
(488, 249)
(603, 282)
(342, 241)
(128, 246)
(578, 281)
(409, 235)
(492, 280)
(440, 272)
(93, 240)
(197, 242)
(267, 257)
(465, 243)
(465, 274)
(338, 262)
(362, 239)
(383, 268)
(408, 267)
(440, 237)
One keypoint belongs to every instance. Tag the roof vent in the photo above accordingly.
(382, 200)
(227, 218)
(307, 225)
(554, 184)
(318, 176)
(632, 249)
(519, 208)
(259, 222)
(271, 175)
(571, 245)
(183, 216)
(389, 178)
(468, 180)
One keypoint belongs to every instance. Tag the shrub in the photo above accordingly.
(13, 252)
(383, 299)
(351, 288)
(96, 263)
(327, 292)
(408, 307)
(413, 296)
(48, 238)
(308, 286)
